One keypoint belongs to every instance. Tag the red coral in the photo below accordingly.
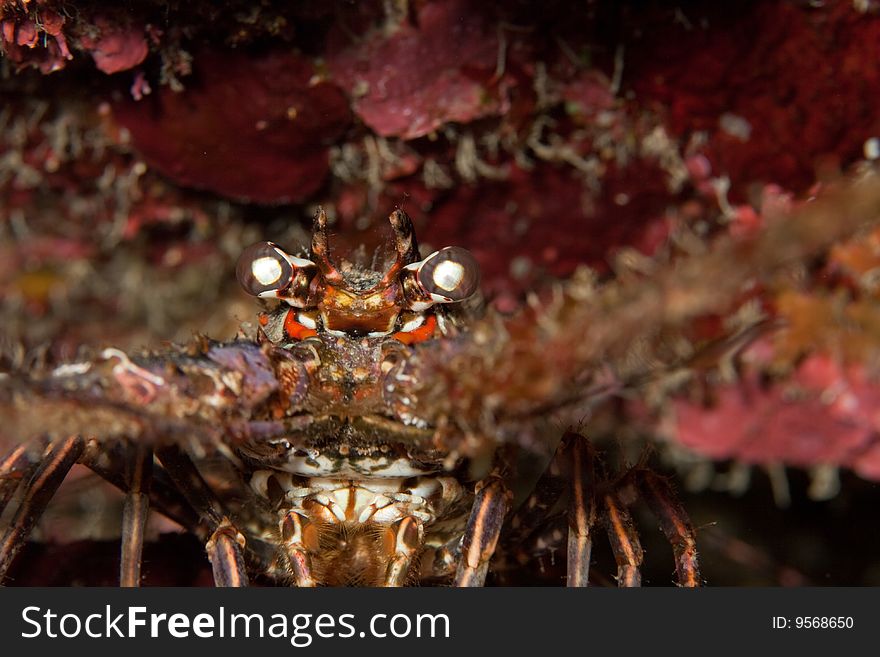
(547, 221)
(247, 127)
(778, 87)
(412, 82)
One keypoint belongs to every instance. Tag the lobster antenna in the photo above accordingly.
(405, 244)
(320, 253)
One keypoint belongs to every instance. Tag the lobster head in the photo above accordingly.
(348, 300)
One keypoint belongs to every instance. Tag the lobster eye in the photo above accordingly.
(449, 275)
(263, 269)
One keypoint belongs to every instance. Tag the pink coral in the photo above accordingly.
(118, 48)
(826, 413)
(20, 38)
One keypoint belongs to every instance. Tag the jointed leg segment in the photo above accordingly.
(406, 538)
(40, 489)
(225, 552)
(294, 529)
(130, 468)
(624, 540)
(226, 543)
(579, 453)
(134, 514)
(482, 531)
(588, 498)
(675, 524)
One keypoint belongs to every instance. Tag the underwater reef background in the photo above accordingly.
(143, 144)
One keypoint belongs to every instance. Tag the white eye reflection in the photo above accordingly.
(266, 270)
(448, 275)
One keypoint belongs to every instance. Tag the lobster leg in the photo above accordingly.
(483, 527)
(189, 482)
(18, 466)
(624, 541)
(134, 515)
(110, 463)
(225, 544)
(674, 522)
(294, 530)
(56, 463)
(407, 540)
(224, 550)
(577, 451)
(572, 467)
(536, 507)
(575, 461)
